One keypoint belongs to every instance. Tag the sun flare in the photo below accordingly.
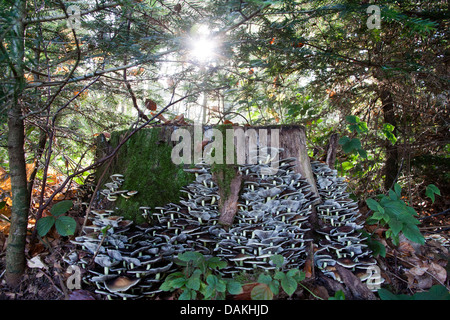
(203, 49)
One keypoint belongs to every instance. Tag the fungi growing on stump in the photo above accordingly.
(269, 214)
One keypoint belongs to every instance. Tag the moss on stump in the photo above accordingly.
(146, 164)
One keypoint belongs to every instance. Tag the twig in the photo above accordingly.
(105, 229)
(88, 210)
(314, 295)
(50, 279)
(412, 265)
(436, 214)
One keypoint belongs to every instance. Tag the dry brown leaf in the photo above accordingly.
(308, 269)
(406, 248)
(438, 272)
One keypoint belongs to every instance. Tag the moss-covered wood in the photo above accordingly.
(145, 161)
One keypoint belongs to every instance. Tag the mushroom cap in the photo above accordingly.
(105, 261)
(120, 284)
(346, 262)
(103, 277)
(241, 257)
(325, 230)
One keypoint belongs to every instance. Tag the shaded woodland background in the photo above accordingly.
(129, 65)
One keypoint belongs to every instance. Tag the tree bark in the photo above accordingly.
(293, 141)
(15, 252)
(331, 150)
(229, 204)
(391, 163)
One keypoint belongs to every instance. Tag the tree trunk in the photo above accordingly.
(15, 252)
(391, 164)
(293, 141)
(229, 202)
(331, 150)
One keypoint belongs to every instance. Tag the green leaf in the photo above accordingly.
(343, 140)
(393, 195)
(234, 287)
(274, 285)
(372, 204)
(261, 292)
(398, 190)
(165, 286)
(264, 278)
(362, 153)
(431, 190)
(385, 294)
(214, 285)
(352, 119)
(338, 295)
(436, 292)
(356, 125)
(279, 275)
(412, 232)
(178, 282)
(215, 262)
(395, 225)
(196, 257)
(221, 285)
(278, 260)
(44, 225)
(61, 207)
(212, 280)
(187, 295)
(170, 281)
(347, 165)
(193, 283)
(351, 145)
(388, 130)
(65, 225)
(377, 216)
(289, 285)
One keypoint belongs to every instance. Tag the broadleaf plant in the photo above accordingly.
(431, 190)
(393, 212)
(269, 286)
(64, 225)
(200, 278)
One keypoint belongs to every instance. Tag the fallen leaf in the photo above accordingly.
(150, 104)
(406, 248)
(36, 262)
(308, 269)
(438, 272)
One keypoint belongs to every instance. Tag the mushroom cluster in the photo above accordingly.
(128, 262)
(112, 188)
(272, 219)
(341, 242)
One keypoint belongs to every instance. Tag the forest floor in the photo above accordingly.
(407, 268)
